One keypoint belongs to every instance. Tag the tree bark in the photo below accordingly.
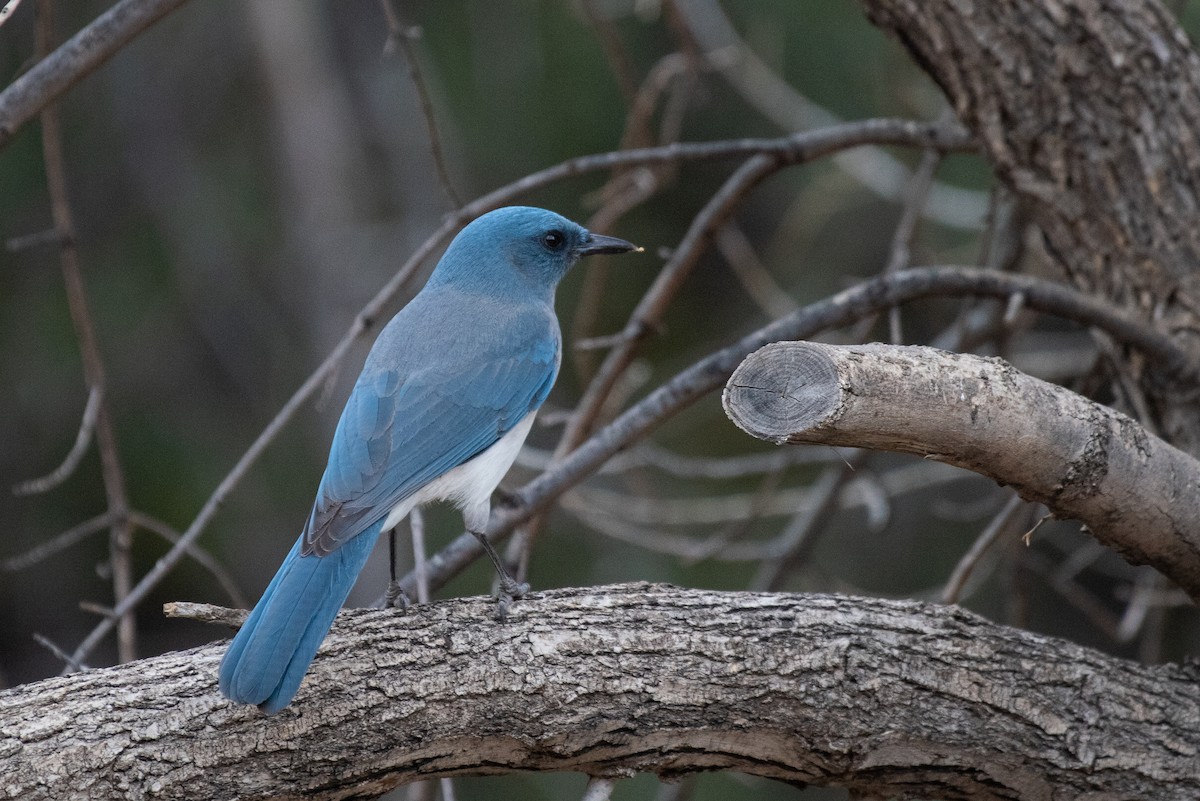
(884, 697)
(1083, 460)
(1089, 109)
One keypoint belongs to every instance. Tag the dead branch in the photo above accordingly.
(886, 698)
(1082, 460)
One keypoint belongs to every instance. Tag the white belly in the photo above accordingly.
(470, 485)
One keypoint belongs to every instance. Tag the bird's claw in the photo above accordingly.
(510, 590)
(397, 598)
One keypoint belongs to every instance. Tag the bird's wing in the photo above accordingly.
(402, 428)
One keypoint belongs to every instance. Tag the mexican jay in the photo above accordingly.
(446, 397)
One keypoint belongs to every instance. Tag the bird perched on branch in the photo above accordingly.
(446, 397)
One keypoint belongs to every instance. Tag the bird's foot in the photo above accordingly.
(510, 590)
(396, 597)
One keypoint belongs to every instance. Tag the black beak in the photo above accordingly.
(605, 244)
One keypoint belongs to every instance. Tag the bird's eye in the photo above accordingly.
(554, 240)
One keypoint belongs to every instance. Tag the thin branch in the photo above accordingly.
(1075, 594)
(619, 60)
(205, 613)
(58, 475)
(121, 536)
(714, 468)
(79, 56)
(61, 542)
(402, 35)
(50, 236)
(873, 168)
(637, 528)
(751, 273)
(416, 524)
(799, 537)
(992, 532)
(900, 252)
(59, 653)
(198, 554)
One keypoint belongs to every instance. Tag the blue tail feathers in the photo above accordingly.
(269, 656)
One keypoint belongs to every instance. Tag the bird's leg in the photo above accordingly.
(396, 596)
(510, 588)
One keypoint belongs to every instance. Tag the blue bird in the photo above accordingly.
(444, 402)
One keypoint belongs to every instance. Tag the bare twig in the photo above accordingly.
(59, 543)
(777, 100)
(992, 532)
(403, 35)
(205, 613)
(198, 554)
(900, 253)
(716, 468)
(637, 525)
(91, 607)
(1075, 594)
(121, 539)
(751, 273)
(84, 438)
(799, 537)
(619, 61)
(416, 524)
(50, 236)
(57, 72)
(59, 653)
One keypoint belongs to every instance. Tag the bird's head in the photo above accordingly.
(534, 246)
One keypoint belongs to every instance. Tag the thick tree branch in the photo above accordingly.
(1082, 460)
(886, 698)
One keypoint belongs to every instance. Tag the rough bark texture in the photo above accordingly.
(1135, 492)
(1090, 109)
(890, 698)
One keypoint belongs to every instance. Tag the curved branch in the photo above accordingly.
(1082, 460)
(773, 97)
(886, 698)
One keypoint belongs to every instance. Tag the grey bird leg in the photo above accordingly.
(476, 519)
(510, 588)
(396, 597)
